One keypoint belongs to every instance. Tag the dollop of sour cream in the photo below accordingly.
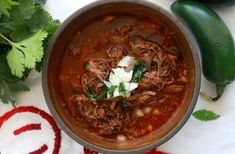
(122, 75)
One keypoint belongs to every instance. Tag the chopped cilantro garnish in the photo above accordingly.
(122, 89)
(111, 91)
(103, 93)
(126, 103)
(91, 94)
(138, 71)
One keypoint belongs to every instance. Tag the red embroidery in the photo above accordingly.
(44, 115)
(40, 150)
(154, 151)
(27, 128)
(88, 151)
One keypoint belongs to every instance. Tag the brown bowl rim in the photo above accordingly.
(188, 36)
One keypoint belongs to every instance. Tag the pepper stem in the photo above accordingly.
(219, 91)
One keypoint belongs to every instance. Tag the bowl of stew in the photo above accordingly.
(121, 76)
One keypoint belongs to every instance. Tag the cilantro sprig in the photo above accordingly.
(26, 53)
(25, 29)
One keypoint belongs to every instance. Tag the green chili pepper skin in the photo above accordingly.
(217, 1)
(215, 41)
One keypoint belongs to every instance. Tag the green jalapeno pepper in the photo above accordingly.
(215, 41)
(217, 1)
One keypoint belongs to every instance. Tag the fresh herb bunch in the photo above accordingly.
(25, 29)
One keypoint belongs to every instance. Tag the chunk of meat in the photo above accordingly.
(161, 71)
(78, 98)
(108, 19)
(85, 108)
(175, 88)
(103, 116)
(172, 60)
(123, 29)
(115, 123)
(150, 25)
(152, 93)
(100, 113)
(154, 79)
(142, 98)
(89, 79)
(117, 39)
(99, 67)
(119, 35)
(147, 57)
(115, 54)
(113, 104)
(151, 52)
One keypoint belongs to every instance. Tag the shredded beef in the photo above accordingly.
(109, 116)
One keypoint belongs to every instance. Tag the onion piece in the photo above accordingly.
(122, 74)
(139, 113)
(100, 85)
(126, 61)
(156, 112)
(147, 110)
(116, 93)
(108, 84)
(121, 138)
(150, 128)
(114, 79)
(130, 86)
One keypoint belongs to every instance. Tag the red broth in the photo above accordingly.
(97, 48)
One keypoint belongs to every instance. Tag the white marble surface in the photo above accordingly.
(195, 137)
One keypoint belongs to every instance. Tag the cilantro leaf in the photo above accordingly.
(7, 90)
(126, 104)
(110, 91)
(90, 92)
(5, 5)
(8, 82)
(138, 71)
(26, 53)
(5, 71)
(122, 89)
(6, 94)
(39, 2)
(103, 93)
(18, 86)
(23, 11)
(42, 20)
(6, 25)
(52, 25)
(20, 32)
(205, 115)
(20, 15)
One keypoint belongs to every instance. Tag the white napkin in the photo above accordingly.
(32, 140)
